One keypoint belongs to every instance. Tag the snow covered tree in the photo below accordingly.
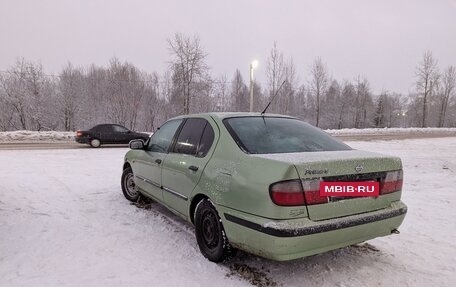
(426, 74)
(187, 65)
(318, 85)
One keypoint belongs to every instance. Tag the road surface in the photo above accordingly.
(346, 137)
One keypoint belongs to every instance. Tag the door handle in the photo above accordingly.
(159, 161)
(192, 167)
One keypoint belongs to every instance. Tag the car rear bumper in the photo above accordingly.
(82, 140)
(296, 238)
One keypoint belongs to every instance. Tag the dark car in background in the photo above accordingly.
(108, 134)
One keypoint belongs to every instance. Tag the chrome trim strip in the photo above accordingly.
(148, 181)
(175, 193)
(162, 187)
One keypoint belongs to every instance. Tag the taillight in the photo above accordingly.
(392, 182)
(287, 193)
(79, 133)
(312, 192)
(297, 192)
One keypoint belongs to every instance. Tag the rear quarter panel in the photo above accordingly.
(240, 181)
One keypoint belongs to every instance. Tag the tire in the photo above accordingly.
(95, 143)
(210, 234)
(129, 188)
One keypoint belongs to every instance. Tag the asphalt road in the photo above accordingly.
(49, 145)
(348, 138)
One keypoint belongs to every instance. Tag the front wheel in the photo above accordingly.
(129, 189)
(210, 234)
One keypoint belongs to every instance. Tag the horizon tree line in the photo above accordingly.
(79, 98)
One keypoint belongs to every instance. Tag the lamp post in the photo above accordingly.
(253, 65)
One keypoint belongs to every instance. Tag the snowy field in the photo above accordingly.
(64, 222)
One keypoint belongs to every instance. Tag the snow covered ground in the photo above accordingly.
(34, 136)
(55, 136)
(64, 222)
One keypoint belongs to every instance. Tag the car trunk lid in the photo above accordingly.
(349, 165)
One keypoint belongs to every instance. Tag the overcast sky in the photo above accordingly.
(381, 40)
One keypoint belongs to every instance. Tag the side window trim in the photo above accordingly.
(208, 126)
(199, 141)
(176, 136)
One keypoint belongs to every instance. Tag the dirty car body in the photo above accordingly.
(260, 176)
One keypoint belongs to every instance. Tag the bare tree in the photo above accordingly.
(126, 87)
(222, 99)
(346, 108)
(239, 93)
(29, 93)
(362, 102)
(71, 90)
(275, 72)
(331, 105)
(13, 86)
(425, 73)
(289, 87)
(188, 64)
(318, 85)
(449, 84)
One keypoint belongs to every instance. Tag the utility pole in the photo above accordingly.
(253, 65)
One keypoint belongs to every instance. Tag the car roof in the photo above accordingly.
(224, 115)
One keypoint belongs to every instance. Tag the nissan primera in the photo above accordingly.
(270, 185)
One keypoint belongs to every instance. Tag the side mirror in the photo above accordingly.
(136, 144)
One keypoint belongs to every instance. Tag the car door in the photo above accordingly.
(95, 132)
(147, 166)
(184, 165)
(107, 134)
(122, 135)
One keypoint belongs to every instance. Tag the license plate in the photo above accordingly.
(349, 189)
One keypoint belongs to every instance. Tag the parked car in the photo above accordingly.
(108, 134)
(251, 182)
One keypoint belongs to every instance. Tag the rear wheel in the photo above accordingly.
(210, 234)
(129, 189)
(95, 143)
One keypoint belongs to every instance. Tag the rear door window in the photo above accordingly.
(120, 129)
(190, 136)
(206, 141)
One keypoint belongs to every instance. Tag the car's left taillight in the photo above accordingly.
(287, 193)
(297, 192)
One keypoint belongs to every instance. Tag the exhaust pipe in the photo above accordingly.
(395, 231)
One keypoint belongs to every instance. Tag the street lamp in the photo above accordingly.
(253, 66)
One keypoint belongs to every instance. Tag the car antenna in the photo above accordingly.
(264, 111)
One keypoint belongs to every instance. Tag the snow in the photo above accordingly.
(64, 222)
(392, 131)
(319, 156)
(34, 136)
(56, 136)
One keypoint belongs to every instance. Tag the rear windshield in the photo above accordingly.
(260, 135)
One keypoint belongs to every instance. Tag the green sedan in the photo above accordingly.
(270, 185)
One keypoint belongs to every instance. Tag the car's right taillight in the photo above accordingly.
(392, 182)
(79, 133)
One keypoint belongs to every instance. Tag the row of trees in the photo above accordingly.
(121, 93)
